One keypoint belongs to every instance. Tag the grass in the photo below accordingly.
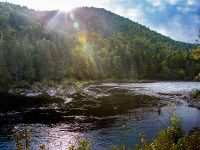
(171, 138)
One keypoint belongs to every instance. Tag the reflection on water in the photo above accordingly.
(106, 114)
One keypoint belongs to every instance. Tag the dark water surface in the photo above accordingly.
(106, 114)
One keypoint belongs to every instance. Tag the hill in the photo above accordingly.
(86, 44)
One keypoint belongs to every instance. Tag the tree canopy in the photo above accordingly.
(86, 44)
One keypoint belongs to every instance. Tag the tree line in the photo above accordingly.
(99, 46)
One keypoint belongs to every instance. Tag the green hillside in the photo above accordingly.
(86, 44)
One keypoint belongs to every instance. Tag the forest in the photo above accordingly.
(86, 44)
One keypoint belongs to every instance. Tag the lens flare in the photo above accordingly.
(82, 38)
(71, 16)
(76, 25)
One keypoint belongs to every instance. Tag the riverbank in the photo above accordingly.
(59, 89)
(194, 99)
(46, 88)
(64, 90)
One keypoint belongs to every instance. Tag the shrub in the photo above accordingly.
(172, 138)
(196, 94)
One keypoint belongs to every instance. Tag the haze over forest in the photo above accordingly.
(86, 44)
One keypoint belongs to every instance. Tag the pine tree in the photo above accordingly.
(5, 76)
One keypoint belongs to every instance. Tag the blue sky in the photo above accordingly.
(178, 19)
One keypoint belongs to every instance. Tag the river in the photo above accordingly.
(104, 114)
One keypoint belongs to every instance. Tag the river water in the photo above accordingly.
(104, 114)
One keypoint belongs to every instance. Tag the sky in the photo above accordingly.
(178, 19)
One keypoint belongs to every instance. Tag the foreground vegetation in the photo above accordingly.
(196, 95)
(86, 44)
(172, 138)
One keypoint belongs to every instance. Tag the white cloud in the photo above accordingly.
(162, 31)
(173, 2)
(191, 2)
(134, 14)
(185, 9)
(161, 3)
(177, 30)
(155, 2)
(182, 34)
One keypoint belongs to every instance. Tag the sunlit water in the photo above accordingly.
(107, 114)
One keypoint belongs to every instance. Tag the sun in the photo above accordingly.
(68, 7)
(71, 4)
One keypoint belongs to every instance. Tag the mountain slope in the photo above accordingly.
(86, 43)
(108, 23)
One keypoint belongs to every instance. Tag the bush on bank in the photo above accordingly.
(171, 138)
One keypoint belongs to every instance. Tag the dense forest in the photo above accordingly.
(86, 44)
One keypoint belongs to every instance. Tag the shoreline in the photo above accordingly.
(64, 92)
(193, 102)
